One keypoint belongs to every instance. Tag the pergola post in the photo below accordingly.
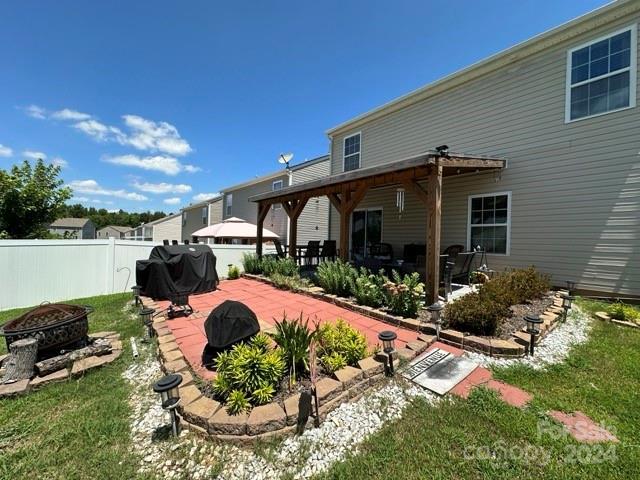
(263, 209)
(346, 203)
(434, 213)
(294, 209)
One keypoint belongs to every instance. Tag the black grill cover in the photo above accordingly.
(229, 323)
(177, 269)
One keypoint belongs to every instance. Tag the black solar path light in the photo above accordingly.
(387, 337)
(533, 328)
(169, 392)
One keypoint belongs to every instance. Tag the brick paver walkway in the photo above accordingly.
(269, 304)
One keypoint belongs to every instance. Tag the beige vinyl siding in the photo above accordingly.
(215, 212)
(575, 186)
(313, 223)
(276, 219)
(168, 229)
(194, 220)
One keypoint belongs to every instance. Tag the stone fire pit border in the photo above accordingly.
(78, 368)
(210, 418)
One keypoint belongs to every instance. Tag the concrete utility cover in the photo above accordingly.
(439, 371)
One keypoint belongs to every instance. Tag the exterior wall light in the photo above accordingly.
(567, 301)
(436, 316)
(169, 392)
(387, 337)
(533, 328)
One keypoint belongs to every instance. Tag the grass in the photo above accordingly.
(481, 437)
(77, 429)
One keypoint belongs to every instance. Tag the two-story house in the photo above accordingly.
(549, 171)
(201, 214)
(77, 228)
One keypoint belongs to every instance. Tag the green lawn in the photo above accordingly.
(600, 378)
(77, 429)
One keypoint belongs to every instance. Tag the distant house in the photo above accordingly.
(79, 228)
(165, 228)
(113, 231)
(201, 214)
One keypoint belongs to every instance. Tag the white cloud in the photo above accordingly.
(36, 112)
(92, 187)
(155, 136)
(99, 131)
(172, 201)
(79, 199)
(5, 151)
(68, 114)
(33, 155)
(60, 162)
(159, 163)
(201, 197)
(162, 187)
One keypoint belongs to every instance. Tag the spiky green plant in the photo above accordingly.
(263, 394)
(237, 402)
(294, 337)
(251, 263)
(333, 362)
(341, 338)
(336, 277)
(261, 341)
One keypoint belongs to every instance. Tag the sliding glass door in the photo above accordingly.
(366, 230)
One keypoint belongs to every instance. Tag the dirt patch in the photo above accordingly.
(515, 323)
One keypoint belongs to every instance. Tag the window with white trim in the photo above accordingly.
(275, 186)
(229, 204)
(489, 222)
(351, 157)
(204, 215)
(601, 75)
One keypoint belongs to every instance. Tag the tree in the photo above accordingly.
(31, 197)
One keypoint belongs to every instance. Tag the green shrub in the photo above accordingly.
(368, 288)
(404, 295)
(237, 402)
(333, 362)
(294, 337)
(620, 311)
(340, 338)
(251, 263)
(293, 282)
(233, 273)
(481, 312)
(281, 266)
(251, 369)
(261, 341)
(336, 277)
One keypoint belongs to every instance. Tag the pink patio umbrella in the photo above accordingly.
(234, 228)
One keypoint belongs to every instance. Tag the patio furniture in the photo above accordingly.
(165, 242)
(280, 252)
(311, 253)
(328, 251)
(174, 242)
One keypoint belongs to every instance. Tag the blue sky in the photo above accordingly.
(149, 105)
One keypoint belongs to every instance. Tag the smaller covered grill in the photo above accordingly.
(56, 326)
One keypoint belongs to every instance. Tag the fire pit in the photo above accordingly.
(55, 326)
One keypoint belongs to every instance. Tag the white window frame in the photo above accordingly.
(364, 209)
(276, 206)
(228, 205)
(490, 194)
(632, 68)
(205, 214)
(344, 157)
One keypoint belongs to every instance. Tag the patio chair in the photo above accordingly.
(328, 251)
(165, 242)
(280, 253)
(381, 251)
(174, 242)
(312, 252)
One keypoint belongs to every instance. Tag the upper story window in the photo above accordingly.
(489, 222)
(184, 218)
(275, 186)
(601, 75)
(229, 204)
(351, 157)
(204, 215)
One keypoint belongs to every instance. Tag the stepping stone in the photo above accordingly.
(510, 394)
(480, 376)
(582, 428)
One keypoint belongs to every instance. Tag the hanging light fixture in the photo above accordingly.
(167, 387)
(400, 200)
(387, 337)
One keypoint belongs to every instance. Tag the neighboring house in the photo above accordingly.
(199, 215)
(165, 228)
(79, 228)
(112, 231)
(560, 108)
(313, 222)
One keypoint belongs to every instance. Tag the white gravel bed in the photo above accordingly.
(552, 349)
(194, 457)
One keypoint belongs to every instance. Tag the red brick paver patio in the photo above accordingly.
(269, 305)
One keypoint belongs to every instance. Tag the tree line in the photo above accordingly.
(101, 217)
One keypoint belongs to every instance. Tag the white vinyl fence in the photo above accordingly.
(33, 271)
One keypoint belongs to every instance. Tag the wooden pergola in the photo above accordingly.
(421, 175)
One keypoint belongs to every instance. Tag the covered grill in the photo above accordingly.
(55, 326)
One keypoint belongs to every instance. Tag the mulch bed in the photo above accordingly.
(515, 323)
